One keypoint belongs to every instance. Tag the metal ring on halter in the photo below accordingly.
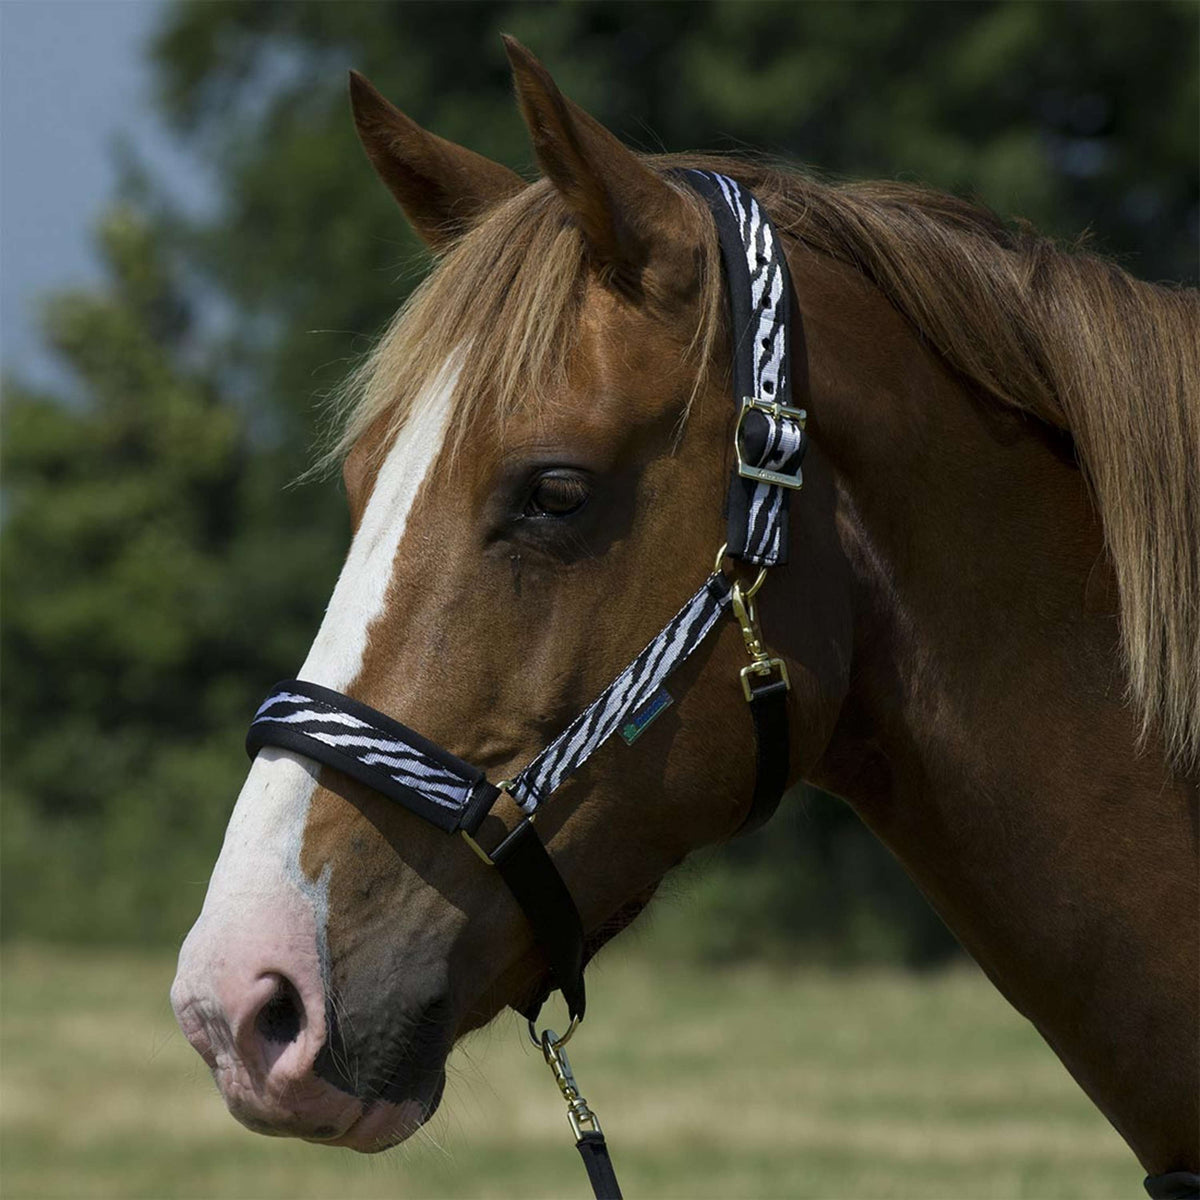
(752, 590)
(555, 1043)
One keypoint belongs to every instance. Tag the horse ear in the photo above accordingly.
(444, 189)
(631, 218)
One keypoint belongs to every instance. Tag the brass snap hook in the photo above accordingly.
(762, 664)
(581, 1117)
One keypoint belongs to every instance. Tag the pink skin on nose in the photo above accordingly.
(249, 997)
(249, 993)
(253, 1005)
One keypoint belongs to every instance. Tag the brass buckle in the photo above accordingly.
(763, 474)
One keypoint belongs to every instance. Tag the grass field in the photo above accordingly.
(736, 1084)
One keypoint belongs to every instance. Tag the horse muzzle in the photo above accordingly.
(279, 1052)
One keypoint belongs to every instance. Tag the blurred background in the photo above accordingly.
(194, 252)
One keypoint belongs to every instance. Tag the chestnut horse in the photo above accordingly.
(990, 616)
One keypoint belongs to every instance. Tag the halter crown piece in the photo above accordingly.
(454, 796)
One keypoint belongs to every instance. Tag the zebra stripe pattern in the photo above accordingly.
(785, 449)
(385, 753)
(766, 338)
(345, 734)
(627, 693)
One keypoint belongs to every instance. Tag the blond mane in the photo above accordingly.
(1063, 335)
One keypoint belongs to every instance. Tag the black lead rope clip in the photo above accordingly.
(589, 1137)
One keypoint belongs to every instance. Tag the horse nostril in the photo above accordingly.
(280, 1019)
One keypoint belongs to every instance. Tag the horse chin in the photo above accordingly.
(383, 1124)
(536, 987)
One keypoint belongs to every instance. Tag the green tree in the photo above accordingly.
(158, 570)
(138, 607)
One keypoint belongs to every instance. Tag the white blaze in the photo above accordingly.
(260, 906)
(336, 655)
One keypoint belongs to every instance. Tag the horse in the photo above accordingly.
(988, 615)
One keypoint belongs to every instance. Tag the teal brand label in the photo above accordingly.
(637, 724)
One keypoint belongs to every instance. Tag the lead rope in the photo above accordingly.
(765, 685)
(589, 1137)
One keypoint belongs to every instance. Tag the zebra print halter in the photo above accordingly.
(432, 783)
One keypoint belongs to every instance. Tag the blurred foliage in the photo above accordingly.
(158, 571)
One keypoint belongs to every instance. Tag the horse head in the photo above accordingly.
(535, 464)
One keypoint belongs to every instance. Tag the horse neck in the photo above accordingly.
(984, 736)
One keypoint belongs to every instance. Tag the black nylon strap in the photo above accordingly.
(768, 709)
(546, 901)
(1178, 1185)
(593, 1149)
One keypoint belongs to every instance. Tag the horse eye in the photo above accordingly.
(557, 494)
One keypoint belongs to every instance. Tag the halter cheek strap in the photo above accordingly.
(769, 444)
(769, 437)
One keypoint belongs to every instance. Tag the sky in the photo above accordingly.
(71, 82)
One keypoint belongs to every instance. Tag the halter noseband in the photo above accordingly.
(454, 796)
